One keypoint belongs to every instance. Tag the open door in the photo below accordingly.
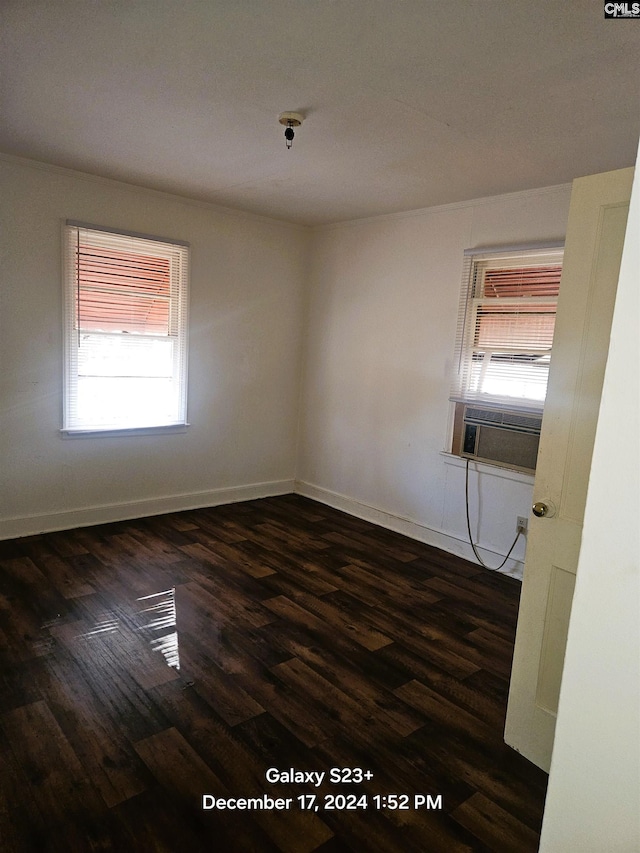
(593, 250)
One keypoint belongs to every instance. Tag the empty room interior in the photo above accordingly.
(319, 416)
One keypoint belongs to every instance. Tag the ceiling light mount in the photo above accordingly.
(290, 120)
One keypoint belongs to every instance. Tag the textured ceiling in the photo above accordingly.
(408, 103)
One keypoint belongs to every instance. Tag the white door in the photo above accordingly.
(593, 249)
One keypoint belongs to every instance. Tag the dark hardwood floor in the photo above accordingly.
(147, 663)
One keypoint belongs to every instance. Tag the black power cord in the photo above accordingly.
(478, 557)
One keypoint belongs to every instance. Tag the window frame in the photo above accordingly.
(123, 241)
(514, 257)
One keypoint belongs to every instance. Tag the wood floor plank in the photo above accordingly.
(369, 588)
(115, 679)
(494, 826)
(242, 595)
(363, 543)
(449, 719)
(241, 772)
(20, 681)
(101, 747)
(288, 572)
(223, 694)
(376, 700)
(304, 721)
(341, 618)
(398, 769)
(158, 822)
(329, 699)
(493, 772)
(21, 823)
(414, 632)
(62, 572)
(66, 543)
(57, 781)
(112, 644)
(220, 553)
(178, 767)
(275, 536)
(470, 595)
(240, 651)
(147, 662)
(22, 579)
(470, 693)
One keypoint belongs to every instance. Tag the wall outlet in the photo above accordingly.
(522, 523)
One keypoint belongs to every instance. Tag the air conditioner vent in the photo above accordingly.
(522, 421)
(482, 416)
(506, 420)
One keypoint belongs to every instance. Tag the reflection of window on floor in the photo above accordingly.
(156, 622)
(106, 625)
(161, 617)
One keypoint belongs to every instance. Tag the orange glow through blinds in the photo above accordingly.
(122, 291)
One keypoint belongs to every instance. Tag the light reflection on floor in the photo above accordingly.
(162, 615)
(103, 626)
(158, 616)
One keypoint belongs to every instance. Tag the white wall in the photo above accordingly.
(378, 326)
(381, 321)
(247, 278)
(594, 785)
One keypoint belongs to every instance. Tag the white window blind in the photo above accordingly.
(126, 302)
(505, 327)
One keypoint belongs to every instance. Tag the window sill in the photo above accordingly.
(124, 433)
(495, 470)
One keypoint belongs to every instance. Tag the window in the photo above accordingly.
(505, 329)
(125, 331)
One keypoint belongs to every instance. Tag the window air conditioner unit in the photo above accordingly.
(501, 437)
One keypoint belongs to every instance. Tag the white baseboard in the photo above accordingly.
(408, 527)
(11, 528)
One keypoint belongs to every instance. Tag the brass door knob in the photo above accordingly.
(543, 509)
